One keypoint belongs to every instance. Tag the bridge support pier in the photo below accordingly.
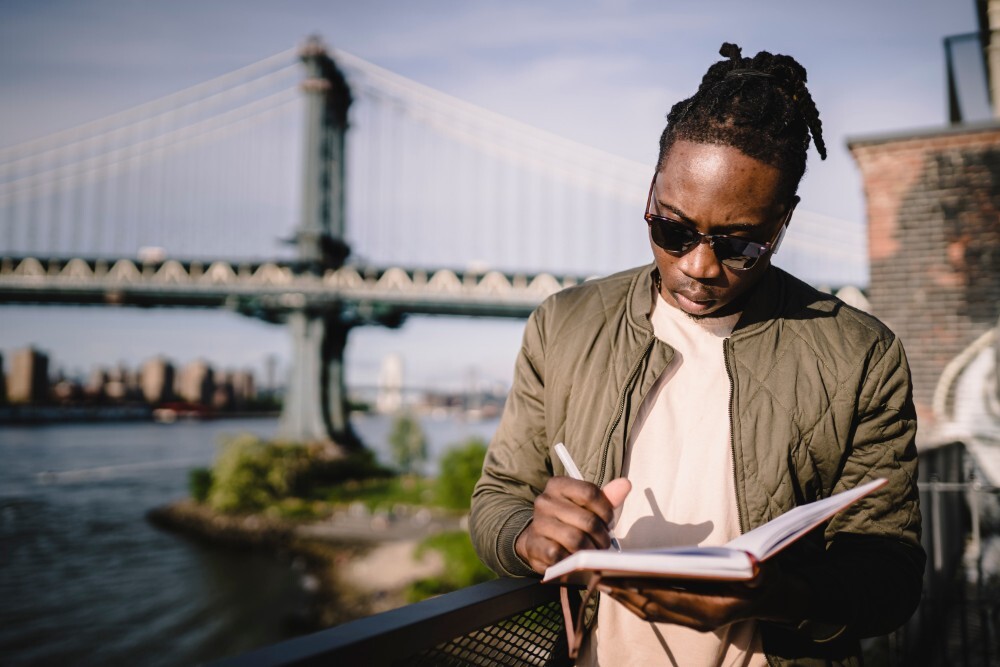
(315, 407)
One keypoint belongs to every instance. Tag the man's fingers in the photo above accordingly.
(586, 529)
(629, 602)
(569, 515)
(582, 494)
(660, 608)
(543, 552)
(696, 604)
(570, 531)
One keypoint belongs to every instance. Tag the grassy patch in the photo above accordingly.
(462, 566)
(379, 493)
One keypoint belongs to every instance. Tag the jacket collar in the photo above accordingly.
(764, 303)
(640, 297)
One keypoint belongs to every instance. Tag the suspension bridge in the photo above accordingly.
(319, 190)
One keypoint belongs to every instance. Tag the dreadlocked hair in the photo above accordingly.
(758, 105)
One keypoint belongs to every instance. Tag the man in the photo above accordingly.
(723, 392)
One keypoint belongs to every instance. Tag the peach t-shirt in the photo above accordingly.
(679, 460)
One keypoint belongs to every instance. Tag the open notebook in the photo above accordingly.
(736, 561)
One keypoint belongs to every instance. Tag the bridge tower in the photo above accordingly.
(315, 406)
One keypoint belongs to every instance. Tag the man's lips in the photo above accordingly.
(696, 297)
(694, 303)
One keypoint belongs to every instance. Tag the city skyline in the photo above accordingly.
(602, 74)
(262, 371)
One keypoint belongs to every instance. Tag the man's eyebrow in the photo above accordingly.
(715, 229)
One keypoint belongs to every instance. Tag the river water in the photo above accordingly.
(85, 580)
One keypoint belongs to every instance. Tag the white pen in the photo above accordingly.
(574, 472)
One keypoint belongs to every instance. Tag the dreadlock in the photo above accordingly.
(758, 105)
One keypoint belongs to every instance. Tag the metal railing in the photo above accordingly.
(500, 622)
(958, 620)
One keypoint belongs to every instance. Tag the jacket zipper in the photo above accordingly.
(589, 622)
(621, 410)
(727, 352)
(740, 503)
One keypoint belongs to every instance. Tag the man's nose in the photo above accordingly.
(701, 262)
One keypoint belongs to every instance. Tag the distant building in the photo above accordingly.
(390, 385)
(244, 388)
(270, 375)
(934, 242)
(66, 390)
(94, 387)
(223, 397)
(157, 381)
(233, 390)
(117, 386)
(196, 383)
(29, 377)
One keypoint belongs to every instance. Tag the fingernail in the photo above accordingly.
(604, 589)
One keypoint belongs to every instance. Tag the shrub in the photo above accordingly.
(325, 472)
(200, 483)
(408, 443)
(251, 475)
(461, 467)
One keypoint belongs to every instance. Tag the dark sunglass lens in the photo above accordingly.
(671, 236)
(737, 253)
(739, 262)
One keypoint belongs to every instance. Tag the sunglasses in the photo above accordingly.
(734, 252)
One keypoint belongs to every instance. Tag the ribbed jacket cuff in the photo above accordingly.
(506, 555)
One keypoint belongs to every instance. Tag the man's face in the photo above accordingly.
(715, 190)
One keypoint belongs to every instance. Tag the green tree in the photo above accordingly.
(461, 467)
(408, 443)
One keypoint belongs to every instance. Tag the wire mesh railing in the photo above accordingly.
(500, 622)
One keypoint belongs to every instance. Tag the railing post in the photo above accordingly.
(936, 542)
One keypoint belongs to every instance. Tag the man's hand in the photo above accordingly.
(772, 595)
(569, 515)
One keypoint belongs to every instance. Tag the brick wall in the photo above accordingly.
(934, 242)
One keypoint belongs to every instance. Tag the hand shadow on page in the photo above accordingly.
(654, 531)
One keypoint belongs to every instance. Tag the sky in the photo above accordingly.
(600, 73)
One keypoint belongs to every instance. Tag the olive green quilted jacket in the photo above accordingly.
(820, 402)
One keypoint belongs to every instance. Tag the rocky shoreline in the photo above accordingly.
(351, 565)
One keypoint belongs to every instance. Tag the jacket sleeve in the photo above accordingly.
(871, 574)
(517, 463)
